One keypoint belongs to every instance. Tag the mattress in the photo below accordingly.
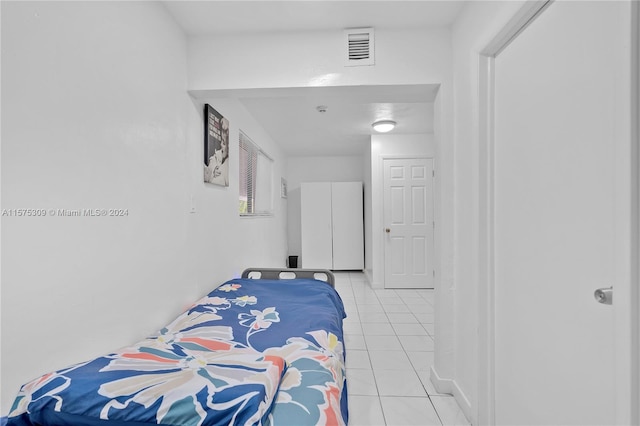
(251, 352)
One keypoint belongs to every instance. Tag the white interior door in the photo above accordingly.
(560, 163)
(408, 221)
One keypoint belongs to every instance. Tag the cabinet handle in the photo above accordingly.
(387, 230)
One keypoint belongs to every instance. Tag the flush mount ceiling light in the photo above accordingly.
(384, 126)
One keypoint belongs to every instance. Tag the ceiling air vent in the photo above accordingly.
(360, 47)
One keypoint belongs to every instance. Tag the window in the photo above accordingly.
(256, 183)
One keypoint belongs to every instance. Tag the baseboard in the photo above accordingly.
(368, 274)
(448, 386)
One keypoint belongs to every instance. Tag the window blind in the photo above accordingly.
(255, 179)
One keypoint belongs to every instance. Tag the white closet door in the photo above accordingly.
(317, 250)
(348, 239)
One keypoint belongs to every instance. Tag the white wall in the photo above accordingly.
(227, 242)
(368, 194)
(477, 25)
(315, 169)
(382, 146)
(88, 123)
(444, 215)
(308, 59)
(96, 115)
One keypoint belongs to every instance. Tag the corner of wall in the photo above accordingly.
(368, 274)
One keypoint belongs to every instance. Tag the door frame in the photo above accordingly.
(627, 318)
(381, 160)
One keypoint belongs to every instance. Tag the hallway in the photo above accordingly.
(389, 346)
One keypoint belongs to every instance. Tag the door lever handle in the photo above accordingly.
(604, 295)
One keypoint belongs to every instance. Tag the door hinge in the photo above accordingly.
(434, 273)
(433, 173)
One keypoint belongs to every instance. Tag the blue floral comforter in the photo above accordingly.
(251, 352)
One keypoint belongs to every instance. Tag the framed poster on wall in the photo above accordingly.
(216, 147)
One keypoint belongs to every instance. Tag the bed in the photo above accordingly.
(264, 349)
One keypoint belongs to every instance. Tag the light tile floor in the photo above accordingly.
(389, 344)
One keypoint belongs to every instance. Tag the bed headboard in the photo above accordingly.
(290, 273)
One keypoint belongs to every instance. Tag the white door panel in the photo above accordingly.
(555, 224)
(408, 218)
(419, 251)
(348, 232)
(317, 243)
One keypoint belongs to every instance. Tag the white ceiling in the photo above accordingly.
(291, 118)
(256, 16)
(289, 115)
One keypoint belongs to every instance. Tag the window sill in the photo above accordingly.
(250, 215)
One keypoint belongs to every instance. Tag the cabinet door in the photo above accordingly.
(347, 217)
(317, 251)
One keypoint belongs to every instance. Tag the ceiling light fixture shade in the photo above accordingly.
(384, 126)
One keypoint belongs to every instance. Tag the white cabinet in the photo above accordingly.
(332, 225)
(348, 224)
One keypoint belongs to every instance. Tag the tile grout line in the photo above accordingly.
(389, 321)
(366, 345)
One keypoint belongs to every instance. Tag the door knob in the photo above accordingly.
(604, 295)
(387, 230)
